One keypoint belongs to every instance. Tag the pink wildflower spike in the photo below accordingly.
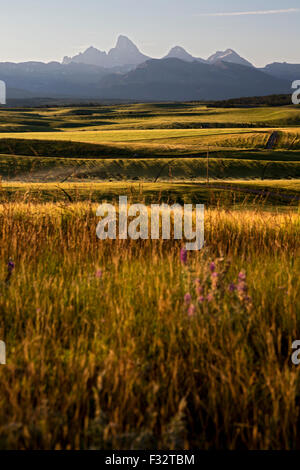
(99, 274)
(201, 300)
(192, 311)
(210, 298)
(242, 276)
(183, 256)
(187, 299)
(200, 290)
(242, 287)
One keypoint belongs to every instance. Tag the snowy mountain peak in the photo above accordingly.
(179, 52)
(228, 56)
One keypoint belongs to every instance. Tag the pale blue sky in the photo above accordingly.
(49, 29)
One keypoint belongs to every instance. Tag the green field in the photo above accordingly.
(145, 116)
(149, 142)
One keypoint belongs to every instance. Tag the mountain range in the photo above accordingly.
(125, 73)
(125, 53)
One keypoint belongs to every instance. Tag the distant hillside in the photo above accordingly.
(174, 79)
(53, 80)
(283, 71)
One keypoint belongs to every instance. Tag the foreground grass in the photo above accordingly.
(104, 353)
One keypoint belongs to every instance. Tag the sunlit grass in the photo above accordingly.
(114, 361)
(119, 344)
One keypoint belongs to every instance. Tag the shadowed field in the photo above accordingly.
(237, 194)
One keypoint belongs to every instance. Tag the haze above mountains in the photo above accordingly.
(125, 73)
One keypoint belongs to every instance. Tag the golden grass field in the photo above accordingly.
(103, 351)
(133, 142)
(170, 139)
(145, 116)
(121, 344)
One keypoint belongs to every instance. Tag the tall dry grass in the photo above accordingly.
(104, 352)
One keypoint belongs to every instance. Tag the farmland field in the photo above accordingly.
(123, 344)
(149, 142)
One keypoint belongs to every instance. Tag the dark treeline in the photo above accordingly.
(271, 100)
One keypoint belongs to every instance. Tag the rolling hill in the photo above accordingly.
(177, 80)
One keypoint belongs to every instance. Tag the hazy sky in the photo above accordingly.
(263, 31)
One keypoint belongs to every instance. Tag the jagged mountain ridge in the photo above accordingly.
(126, 53)
(123, 54)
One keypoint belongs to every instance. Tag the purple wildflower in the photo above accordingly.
(242, 289)
(232, 287)
(183, 255)
(10, 266)
(201, 299)
(210, 298)
(212, 267)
